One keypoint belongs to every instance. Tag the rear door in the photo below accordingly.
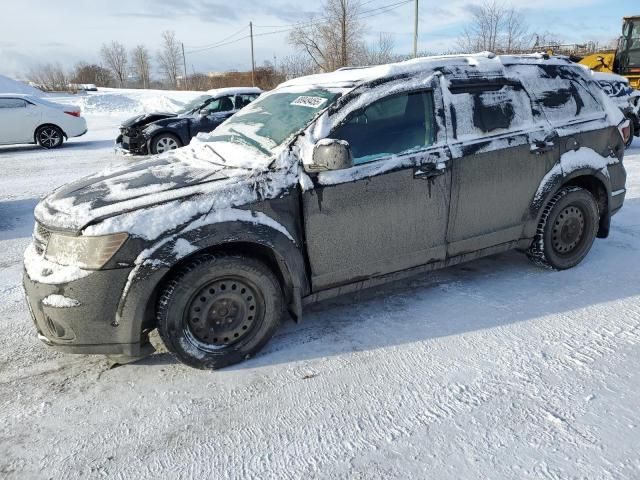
(18, 119)
(389, 211)
(502, 148)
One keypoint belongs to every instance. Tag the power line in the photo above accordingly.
(200, 47)
(310, 23)
(361, 16)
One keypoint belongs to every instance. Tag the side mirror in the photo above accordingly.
(331, 154)
(204, 112)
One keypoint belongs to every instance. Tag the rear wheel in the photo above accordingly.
(165, 142)
(567, 229)
(219, 310)
(49, 136)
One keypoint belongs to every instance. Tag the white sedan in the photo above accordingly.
(31, 119)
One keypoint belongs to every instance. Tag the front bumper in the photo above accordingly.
(89, 326)
(132, 143)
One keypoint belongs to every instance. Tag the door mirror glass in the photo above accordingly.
(330, 154)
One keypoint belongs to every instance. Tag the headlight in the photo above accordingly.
(86, 252)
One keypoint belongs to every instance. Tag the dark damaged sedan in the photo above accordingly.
(159, 132)
(324, 186)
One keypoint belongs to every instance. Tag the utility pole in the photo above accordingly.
(184, 62)
(344, 34)
(253, 60)
(415, 33)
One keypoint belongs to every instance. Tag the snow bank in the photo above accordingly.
(117, 101)
(8, 85)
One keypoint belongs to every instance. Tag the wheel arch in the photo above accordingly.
(48, 124)
(151, 136)
(138, 302)
(592, 180)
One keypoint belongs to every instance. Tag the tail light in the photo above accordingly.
(73, 114)
(625, 130)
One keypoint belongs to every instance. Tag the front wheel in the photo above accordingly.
(567, 229)
(219, 310)
(165, 142)
(49, 136)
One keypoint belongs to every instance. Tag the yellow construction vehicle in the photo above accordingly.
(625, 60)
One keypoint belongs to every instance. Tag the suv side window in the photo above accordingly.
(392, 125)
(558, 93)
(487, 107)
(12, 103)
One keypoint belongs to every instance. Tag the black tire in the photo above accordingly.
(567, 229)
(49, 136)
(219, 310)
(164, 142)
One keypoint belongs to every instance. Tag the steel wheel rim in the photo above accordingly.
(164, 144)
(222, 313)
(49, 137)
(568, 230)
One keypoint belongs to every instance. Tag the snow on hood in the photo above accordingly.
(153, 196)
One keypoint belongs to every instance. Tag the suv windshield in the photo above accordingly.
(195, 103)
(271, 119)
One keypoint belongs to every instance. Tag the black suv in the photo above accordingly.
(159, 132)
(324, 186)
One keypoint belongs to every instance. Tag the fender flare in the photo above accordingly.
(156, 262)
(554, 183)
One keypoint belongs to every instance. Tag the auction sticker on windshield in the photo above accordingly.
(308, 101)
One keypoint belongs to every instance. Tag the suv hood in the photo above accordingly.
(127, 188)
(146, 118)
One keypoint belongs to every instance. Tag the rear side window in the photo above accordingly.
(393, 125)
(558, 92)
(244, 100)
(481, 109)
(12, 103)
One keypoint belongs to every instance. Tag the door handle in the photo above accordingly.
(542, 147)
(429, 170)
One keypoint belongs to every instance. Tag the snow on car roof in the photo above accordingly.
(216, 92)
(485, 61)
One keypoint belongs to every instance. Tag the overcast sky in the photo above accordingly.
(39, 31)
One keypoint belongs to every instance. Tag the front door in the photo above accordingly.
(389, 211)
(212, 115)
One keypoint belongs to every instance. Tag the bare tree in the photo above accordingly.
(114, 55)
(293, 66)
(50, 76)
(496, 28)
(335, 39)
(169, 58)
(92, 73)
(141, 64)
(381, 52)
(516, 32)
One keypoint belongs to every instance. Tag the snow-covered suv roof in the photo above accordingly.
(486, 62)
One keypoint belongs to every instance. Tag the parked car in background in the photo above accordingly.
(158, 132)
(324, 186)
(31, 119)
(625, 97)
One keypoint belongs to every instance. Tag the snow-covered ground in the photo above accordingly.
(492, 369)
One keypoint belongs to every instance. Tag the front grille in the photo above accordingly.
(41, 238)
